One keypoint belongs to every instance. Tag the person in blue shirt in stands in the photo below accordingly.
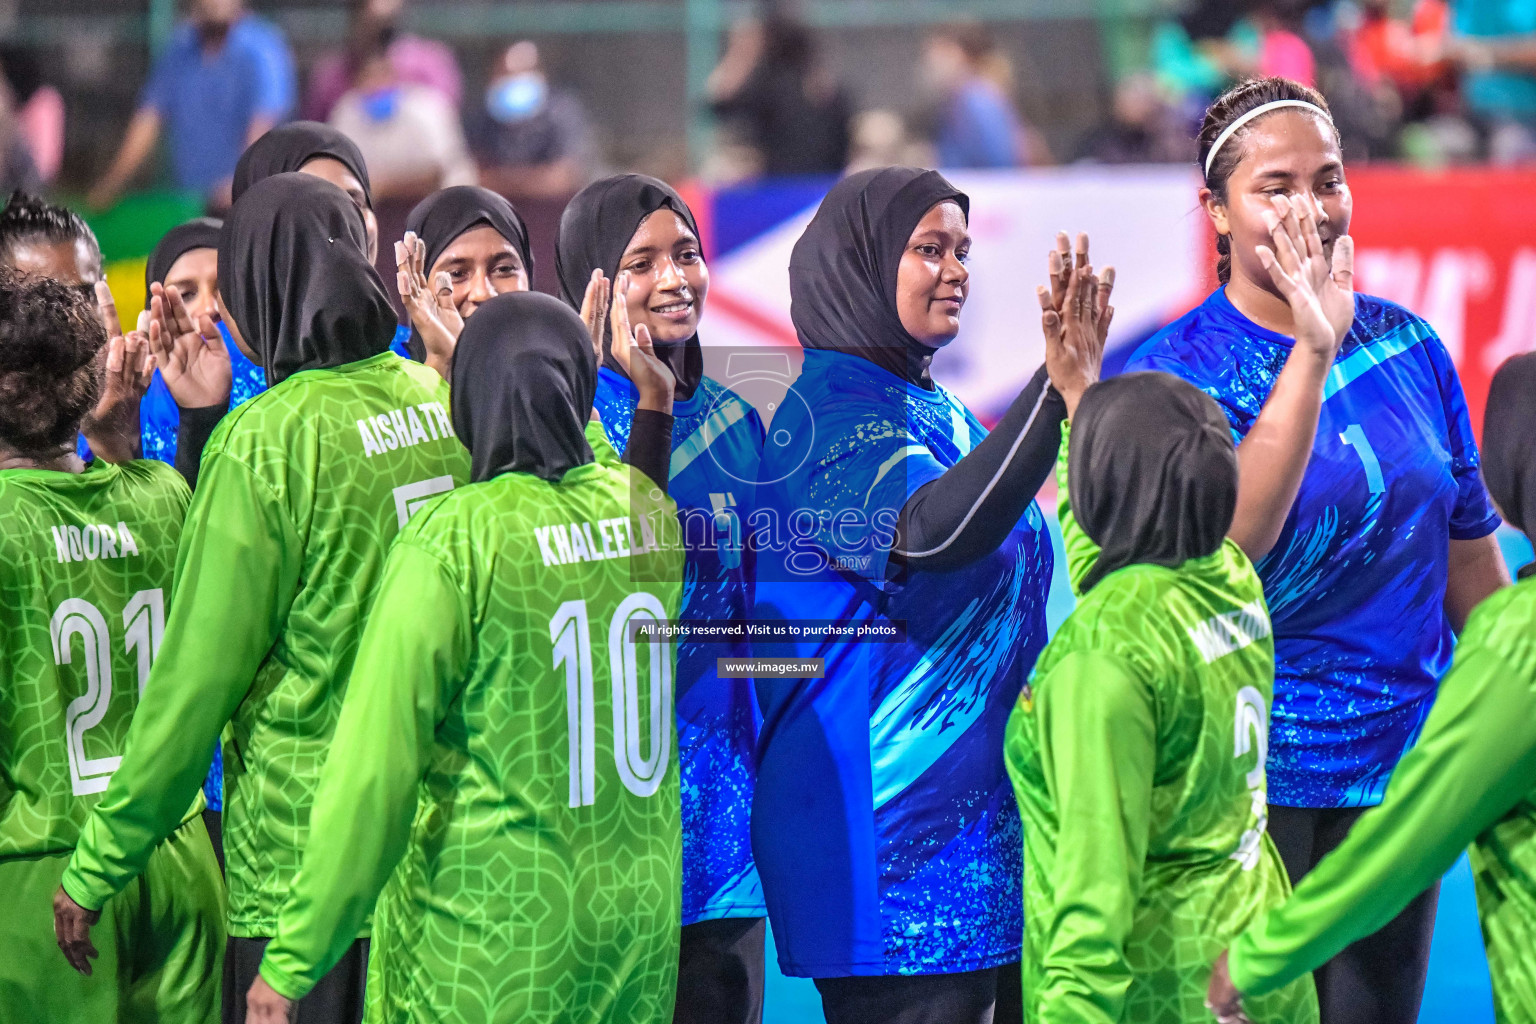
(226, 77)
(884, 825)
(1359, 501)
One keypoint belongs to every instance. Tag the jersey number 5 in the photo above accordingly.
(571, 633)
(143, 623)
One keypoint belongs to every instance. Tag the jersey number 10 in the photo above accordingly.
(143, 623)
(571, 633)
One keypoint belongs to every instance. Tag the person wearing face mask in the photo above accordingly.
(301, 491)
(1360, 502)
(883, 823)
(472, 245)
(637, 232)
(532, 139)
(415, 59)
(409, 134)
(1470, 779)
(484, 750)
(1144, 842)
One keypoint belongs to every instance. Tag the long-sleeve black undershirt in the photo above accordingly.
(967, 513)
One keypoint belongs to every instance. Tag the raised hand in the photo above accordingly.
(189, 352)
(1060, 264)
(1075, 331)
(1321, 296)
(594, 310)
(1221, 998)
(636, 355)
(112, 426)
(432, 311)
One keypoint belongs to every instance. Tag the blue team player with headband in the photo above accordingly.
(1360, 501)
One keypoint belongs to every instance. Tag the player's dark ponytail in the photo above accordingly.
(1230, 106)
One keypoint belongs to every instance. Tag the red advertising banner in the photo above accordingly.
(1457, 247)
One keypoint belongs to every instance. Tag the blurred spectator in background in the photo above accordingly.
(1143, 129)
(414, 59)
(226, 77)
(1407, 53)
(976, 123)
(17, 168)
(409, 134)
(39, 109)
(770, 87)
(881, 139)
(1495, 42)
(531, 139)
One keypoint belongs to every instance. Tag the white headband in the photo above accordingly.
(1262, 108)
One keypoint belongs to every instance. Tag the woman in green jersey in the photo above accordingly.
(301, 490)
(87, 552)
(1144, 841)
(1470, 779)
(509, 767)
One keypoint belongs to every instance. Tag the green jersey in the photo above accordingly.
(1137, 755)
(1471, 778)
(301, 490)
(85, 572)
(512, 749)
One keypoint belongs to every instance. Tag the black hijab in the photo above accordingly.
(1152, 472)
(288, 147)
(523, 380)
(595, 229)
(1509, 442)
(198, 233)
(842, 272)
(447, 213)
(296, 280)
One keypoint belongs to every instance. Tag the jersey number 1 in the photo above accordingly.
(143, 623)
(571, 633)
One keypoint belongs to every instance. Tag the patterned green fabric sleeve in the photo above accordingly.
(1098, 748)
(237, 555)
(413, 654)
(1082, 552)
(1473, 763)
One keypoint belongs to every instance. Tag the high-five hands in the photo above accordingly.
(431, 310)
(189, 352)
(1321, 295)
(636, 355)
(1222, 998)
(1075, 315)
(111, 428)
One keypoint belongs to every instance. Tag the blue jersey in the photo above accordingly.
(159, 416)
(1356, 582)
(884, 826)
(717, 441)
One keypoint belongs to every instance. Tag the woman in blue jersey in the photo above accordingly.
(1360, 502)
(194, 384)
(884, 825)
(471, 245)
(637, 233)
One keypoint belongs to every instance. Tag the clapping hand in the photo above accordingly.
(636, 355)
(1321, 295)
(189, 351)
(432, 311)
(111, 428)
(1075, 315)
